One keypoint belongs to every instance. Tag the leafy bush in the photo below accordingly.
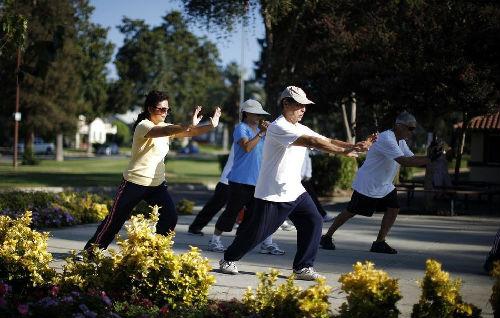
(370, 292)
(144, 267)
(54, 210)
(441, 296)
(184, 206)
(330, 172)
(287, 299)
(495, 295)
(24, 260)
(406, 173)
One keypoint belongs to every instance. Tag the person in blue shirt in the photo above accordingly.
(248, 143)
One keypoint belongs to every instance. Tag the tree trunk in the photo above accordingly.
(350, 125)
(346, 123)
(59, 147)
(460, 146)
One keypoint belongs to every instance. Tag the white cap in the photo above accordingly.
(254, 107)
(296, 93)
(406, 118)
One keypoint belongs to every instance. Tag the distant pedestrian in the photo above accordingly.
(373, 184)
(216, 202)
(144, 178)
(279, 193)
(248, 141)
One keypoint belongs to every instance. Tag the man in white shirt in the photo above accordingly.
(373, 186)
(279, 193)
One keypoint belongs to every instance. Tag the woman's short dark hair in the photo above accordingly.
(152, 99)
(243, 116)
(288, 99)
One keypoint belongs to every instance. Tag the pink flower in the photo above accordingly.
(54, 291)
(23, 309)
(164, 310)
(3, 289)
(105, 298)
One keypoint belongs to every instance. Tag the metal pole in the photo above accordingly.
(242, 69)
(16, 121)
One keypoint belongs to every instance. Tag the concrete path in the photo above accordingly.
(460, 243)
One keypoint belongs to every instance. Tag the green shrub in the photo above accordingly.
(123, 135)
(333, 172)
(184, 206)
(287, 299)
(406, 173)
(441, 296)
(495, 295)
(370, 293)
(145, 266)
(24, 260)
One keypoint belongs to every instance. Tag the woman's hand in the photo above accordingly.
(196, 116)
(263, 124)
(215, 118)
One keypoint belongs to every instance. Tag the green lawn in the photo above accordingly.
(102, 172)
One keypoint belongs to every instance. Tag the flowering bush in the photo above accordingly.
(370, 292)
(495, 296)
(24, 260)
(287, 299)
(145, 266)
(54, 210)
(441, 296)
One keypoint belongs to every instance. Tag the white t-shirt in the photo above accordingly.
(280, 172)
(374, 178)
(227, 167)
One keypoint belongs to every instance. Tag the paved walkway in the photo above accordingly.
(460, 243)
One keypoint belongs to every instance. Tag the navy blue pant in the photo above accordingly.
(240, 196)
(127, 197)
(210, 209)
(267, 216)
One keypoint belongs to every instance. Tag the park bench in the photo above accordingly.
(455, 193)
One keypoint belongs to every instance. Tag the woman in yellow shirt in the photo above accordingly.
(144, 178)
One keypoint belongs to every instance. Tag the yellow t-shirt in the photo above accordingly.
(146, 166)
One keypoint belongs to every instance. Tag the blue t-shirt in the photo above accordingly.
(246, 165)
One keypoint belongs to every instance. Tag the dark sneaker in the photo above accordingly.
(327, 243)
(195, 232)
(382, 247)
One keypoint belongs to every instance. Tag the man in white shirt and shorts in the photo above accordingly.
(279, 193)
(373, 186)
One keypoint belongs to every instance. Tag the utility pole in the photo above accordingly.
(17, 114)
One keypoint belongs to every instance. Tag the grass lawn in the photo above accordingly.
(102, 172)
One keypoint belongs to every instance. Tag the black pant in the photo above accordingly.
(240, 195)
(267, 216)
(310, 189)
(214, 205)
(127, 197)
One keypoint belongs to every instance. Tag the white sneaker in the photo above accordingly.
(228, 267)
(328, 218)
(272, 249)
(307, 273)
(287, 226)
(216, 246)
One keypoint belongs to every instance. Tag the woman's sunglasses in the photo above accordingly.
(162, 110)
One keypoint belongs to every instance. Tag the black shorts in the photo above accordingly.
(363, 205)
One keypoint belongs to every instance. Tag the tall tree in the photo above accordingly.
(167, 57)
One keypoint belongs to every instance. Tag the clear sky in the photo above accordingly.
(109, 13)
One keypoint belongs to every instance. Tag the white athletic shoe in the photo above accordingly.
(287, 226)
(307, 273)
(216, 246)
(228, 267)
(328, 218)
(272, 249)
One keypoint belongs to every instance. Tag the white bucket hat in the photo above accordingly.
(253, 107)
(296, 93)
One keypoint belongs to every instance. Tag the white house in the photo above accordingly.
(93, 133)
